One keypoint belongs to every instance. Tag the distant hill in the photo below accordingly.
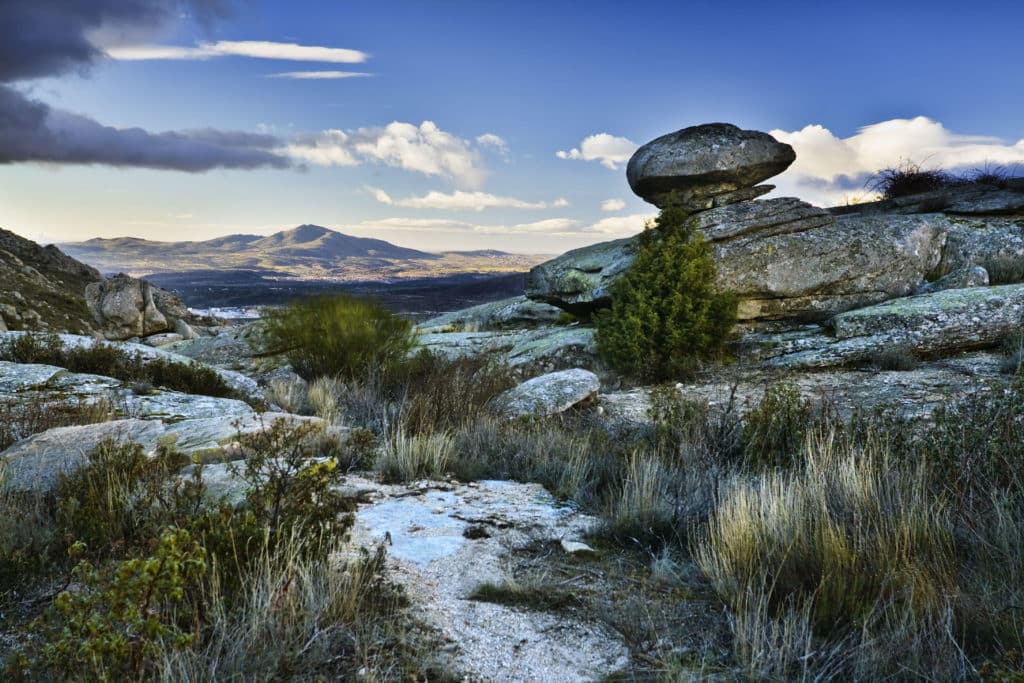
(309, 252)
(42, 288)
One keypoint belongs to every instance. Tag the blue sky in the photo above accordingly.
(505, 87)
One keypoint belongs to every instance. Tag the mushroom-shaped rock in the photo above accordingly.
(549, 394)
(706, 166)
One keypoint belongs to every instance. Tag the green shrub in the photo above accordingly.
(666, 315)
(338, 335)
(774, 430)
(118, 619)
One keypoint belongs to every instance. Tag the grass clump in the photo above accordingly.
(774, 430)
(895, 359)
(1004, 269)
(21, 419)
(336, 335)
(909, 178)
(532, 596)
(666, 313)
(406, 458)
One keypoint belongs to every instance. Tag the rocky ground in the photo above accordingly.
(895, 306)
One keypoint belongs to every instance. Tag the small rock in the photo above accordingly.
(576, 547)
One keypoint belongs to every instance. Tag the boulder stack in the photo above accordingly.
(705, 166)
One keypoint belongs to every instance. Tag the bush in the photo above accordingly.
(666, 315)
(909, 178)
(774, 430)
(338, 335)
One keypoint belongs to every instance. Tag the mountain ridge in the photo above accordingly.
(307, 251)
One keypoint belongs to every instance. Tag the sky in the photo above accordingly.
(470, 124)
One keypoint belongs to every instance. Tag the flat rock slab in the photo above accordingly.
(529, 351)
(549, 394)
(36, 463)
(496, 315)
(235, 380)
(439, 567)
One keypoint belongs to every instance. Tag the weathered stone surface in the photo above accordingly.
(763, 218)
(430, 555)
(528, 352)
(996, 243)
(35, 464)
(235, 380)
(976, 276)
(549, 394)
(125, 307)
(700, 162)
(967, 199)
(517, 311)
(162, 339)
(805, 275)
(937, 323)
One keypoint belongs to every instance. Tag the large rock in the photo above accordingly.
(942, 322)
(549, 394)
(496, 315)
(784, 259)
(701, 162)
(125, 307)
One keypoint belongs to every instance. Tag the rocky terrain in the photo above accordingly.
(897, 305)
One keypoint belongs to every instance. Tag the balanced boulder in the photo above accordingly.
(706, 166)
(126, 307)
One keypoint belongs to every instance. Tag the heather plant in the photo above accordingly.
(338, 335)
(667, 314)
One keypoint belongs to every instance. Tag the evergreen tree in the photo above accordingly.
(666, 314)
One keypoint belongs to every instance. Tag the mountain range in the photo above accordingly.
(308, 252)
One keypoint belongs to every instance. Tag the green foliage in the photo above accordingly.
(119, 617)
(775, 429)
(338, 335)
(121, 498)
(666, 315)
(111, 361)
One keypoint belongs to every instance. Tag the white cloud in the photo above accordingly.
(380, 195)
(319, 75)
(477, 201)
(259, 49)
(496, 141)
(613, 205)
(617, 226)
(425, 149)
(610, 150)
(830, 170)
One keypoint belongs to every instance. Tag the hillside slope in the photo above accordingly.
(42, 286)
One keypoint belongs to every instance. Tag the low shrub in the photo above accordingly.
(667, 314)
(291, 394)
(895, 359)
(1005, 269)
(909, 178)
(337, 335)
(111, 361)
(775, 429)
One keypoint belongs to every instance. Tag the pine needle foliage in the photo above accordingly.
(666, 313)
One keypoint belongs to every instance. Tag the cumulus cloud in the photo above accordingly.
(459, 200)
(492, 140)
(49, 38)
(610, 150)
(319, 75)
(425, 149)
(259, 49)
(613, 205)
(830, 170)
(618, 226)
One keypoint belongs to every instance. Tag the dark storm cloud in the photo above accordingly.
(41, 38)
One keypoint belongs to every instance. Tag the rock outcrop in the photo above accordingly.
(708, 165)
(125, 307)
(549, 394)
(784, 259)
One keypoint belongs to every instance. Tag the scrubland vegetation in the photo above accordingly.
(867, 547)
